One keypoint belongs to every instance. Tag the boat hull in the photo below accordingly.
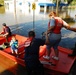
(61, 67)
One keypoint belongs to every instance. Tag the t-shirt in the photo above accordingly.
(52, 22)
(32, 52)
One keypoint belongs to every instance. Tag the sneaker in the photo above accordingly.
(46, 57)
(54, 57)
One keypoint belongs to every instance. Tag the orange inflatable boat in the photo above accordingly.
(52, 67)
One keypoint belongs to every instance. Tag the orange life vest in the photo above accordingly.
(58, 25)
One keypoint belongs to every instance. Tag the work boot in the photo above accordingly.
(46, 57)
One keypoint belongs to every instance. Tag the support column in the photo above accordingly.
(57, 3)
(45, 9)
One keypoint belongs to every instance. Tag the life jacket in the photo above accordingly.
(14, 44)
(28, 42)
(4, 30)
(58, 25)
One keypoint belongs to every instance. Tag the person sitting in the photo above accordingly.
(6, 32)
(14, 45)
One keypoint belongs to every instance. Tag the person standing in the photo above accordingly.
(33, 65)
(54, 37)
(6, 32)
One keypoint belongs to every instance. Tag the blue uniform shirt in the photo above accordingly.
(32, 53)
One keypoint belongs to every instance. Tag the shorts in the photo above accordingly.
(14, 48)
(54, 41)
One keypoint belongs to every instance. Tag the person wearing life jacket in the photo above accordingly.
(32, 62)
(54, 30)
(6, 32)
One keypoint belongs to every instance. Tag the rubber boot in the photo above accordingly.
(74, 51)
